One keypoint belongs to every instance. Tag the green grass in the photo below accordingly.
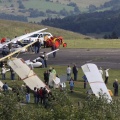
(79, 91)
(42, 5)
(93, 43)
(11, 29)
(73, 40)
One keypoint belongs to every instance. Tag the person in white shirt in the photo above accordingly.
(3, 72)
(106, 75)
(68, 72)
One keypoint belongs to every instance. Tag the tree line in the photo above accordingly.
(13, 17)
(97, 22)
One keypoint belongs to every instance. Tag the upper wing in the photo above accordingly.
(42, 56)
(26, 74)
(22, 37)
(52, 52)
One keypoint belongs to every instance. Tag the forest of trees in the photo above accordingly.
(13, 17)
(97, 22)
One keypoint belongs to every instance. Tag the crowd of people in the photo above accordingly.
(41, 95)
(74, 70)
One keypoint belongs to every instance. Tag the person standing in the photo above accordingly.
(53, 48)
(41, 95)
(5, 87)
(85, 81)
(115, 86)
(45, 40)
(38, 96)
(68, 72)
(54, 71)
(75, 72)
(27, 97)
(37, 46)
(12, 74)
(46, 77)
(71, 84)
(3, 72)
(35, 95)
(45, 59)
(45, 97)
(5, 52)
(106, 75)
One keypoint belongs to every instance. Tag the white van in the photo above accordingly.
(35, 37)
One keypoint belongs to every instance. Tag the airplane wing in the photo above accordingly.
(17, 51)
(96, 81)
(43, 55)
(26, 74)
(52, 52)
(21, 37)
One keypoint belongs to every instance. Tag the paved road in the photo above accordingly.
(106, 58)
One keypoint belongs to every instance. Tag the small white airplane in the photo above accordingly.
(38, 61)
(21, 37)
(33, 64)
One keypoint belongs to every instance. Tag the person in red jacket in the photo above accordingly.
(41, 95)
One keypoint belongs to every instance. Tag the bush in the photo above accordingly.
(60, 107)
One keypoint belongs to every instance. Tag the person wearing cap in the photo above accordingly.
(115, 86)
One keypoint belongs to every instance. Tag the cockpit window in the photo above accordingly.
(47, 34)
(35, 35)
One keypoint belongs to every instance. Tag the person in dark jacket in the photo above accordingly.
(12, 74)
(35, 95)
(85, 81)
(46, 77)
(37, 46)
(75, 71)
(45, 97)
(53, 48)
(115, 86)
(5, 87)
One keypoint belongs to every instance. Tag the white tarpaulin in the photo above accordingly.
(26, 74)
(96, 81)
(56, 80)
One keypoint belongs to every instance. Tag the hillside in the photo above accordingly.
(37, 10)
(12, 28)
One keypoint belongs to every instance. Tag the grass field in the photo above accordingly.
(93, 43)
(79, 91)
(43, 5)
(73, 40)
